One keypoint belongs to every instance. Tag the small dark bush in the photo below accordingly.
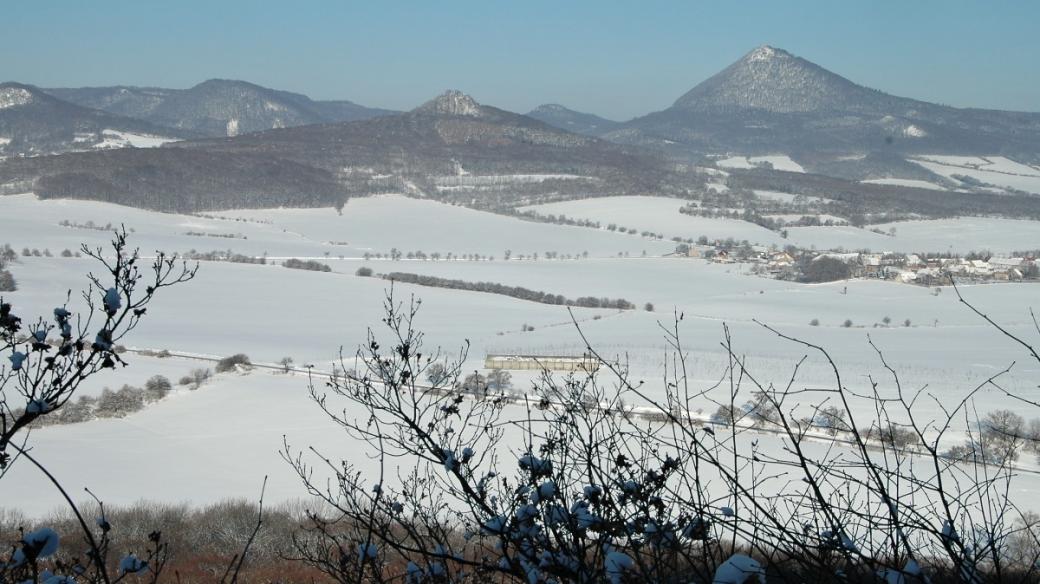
(229, 363)
(158, 384)
(825, 269)
(195, 378)
(306, 265)
(118, 404)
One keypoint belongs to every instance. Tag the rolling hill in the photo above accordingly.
(450, 148)
(33, 123)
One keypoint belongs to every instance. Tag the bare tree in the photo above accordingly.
(48, 359)
(590, 488)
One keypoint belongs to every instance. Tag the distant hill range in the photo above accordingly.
(451, 147)
(245, 145)
(218, 107)
(573, 121)
(771, 101)
(33, 123)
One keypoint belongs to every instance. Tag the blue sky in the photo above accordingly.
(617, 59)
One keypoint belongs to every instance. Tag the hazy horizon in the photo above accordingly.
(609, 60)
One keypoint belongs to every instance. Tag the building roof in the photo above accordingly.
(1007, 262)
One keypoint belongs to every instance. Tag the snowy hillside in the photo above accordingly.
(34, 123)
(982, 172)
(774, 80)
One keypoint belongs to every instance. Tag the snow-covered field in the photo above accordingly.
(117, 139)
(224, 440)
(905, 182)
(993, 170)
(659, 215)
(187, 448)
(778, 162)
(377, 224)
(999, 236)
(220, 440)
(369, 225)
(988, 163)
(785, 197)
(30, 222)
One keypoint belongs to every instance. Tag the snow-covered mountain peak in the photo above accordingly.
(452, 103)
(771, 79)
(765, 53)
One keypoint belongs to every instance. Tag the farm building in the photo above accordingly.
(542, 362)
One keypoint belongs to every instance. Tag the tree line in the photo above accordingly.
(511, 291)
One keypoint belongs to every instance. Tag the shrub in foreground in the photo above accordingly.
(46, 361)
(600, 491)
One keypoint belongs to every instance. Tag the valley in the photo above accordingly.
(269, 312)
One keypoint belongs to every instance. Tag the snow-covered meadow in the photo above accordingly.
(223, 438)
(377, 224)
(118, 139)
(777, 162)
(905, 182)
(997, 171)
(658, 215)
(661, 215)
(960, 235)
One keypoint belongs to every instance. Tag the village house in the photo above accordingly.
(1008, 268)
(980, 268)
(872, 265)
(931, 277)
(1007, 263)
(780, 259)
(722, 256)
